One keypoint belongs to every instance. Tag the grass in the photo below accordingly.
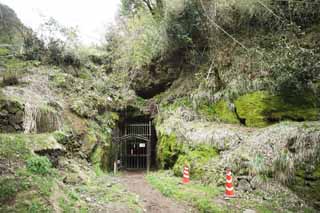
(198, 195)
(26, 192)
(22, 190)
(13, 147)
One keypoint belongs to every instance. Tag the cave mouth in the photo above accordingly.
(134, 142)
(148, 93)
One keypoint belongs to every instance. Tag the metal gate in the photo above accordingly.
(133, 146)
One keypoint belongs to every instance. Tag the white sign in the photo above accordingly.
(142, 145)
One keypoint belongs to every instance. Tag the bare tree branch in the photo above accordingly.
(149, 5)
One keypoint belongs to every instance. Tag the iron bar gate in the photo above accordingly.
(133, 146)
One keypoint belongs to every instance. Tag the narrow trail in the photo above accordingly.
(153, 200)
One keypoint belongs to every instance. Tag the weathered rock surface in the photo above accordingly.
(11, 115)
(156, 78)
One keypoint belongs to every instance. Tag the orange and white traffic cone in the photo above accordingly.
(229, 193)
(186, 177)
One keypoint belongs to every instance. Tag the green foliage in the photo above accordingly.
(90, 105)
(39, 165)
(261, 109)
(185, 24)
(55, 49)
(9, 187)
(13, 147)
(169, 150)
(62, 137)
(145, 40)
(33, 47)
(16, 64)
(96, 159)
(195, 159)
(63, 80)
(294, 69)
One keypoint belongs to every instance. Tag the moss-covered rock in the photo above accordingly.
(97, 158)
(196, 160)
(307, 183)
(11, 115)
(89, 142)
(261, 109)
(169, 150)
(218, 111)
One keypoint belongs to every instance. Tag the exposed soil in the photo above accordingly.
(153, 201)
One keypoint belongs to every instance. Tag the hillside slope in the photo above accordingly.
(248, 100)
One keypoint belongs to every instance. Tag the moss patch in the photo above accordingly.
(307, 185)
(169, 150)
(96, 159)
(196, 160)
(218, 111)
(261, 109)
(4, 51)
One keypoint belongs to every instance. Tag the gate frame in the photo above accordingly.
(141, 131)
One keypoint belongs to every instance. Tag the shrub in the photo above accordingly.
(39, 165)
(33, 47)
(195, 159)
(169, 150)
(144, 40)
(8, 189)
(294, 69)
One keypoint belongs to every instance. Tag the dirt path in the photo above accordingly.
(153, 200)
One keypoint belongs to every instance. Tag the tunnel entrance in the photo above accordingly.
(134, 143)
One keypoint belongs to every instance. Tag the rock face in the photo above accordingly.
(157, 77)
(11, 116)
(9, 25)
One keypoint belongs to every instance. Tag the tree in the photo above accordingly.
(131, 7)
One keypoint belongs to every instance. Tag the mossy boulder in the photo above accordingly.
(169, 150)
(307, 183)
(262, 108)
(195, 159)
(100, 159)
(11, 115)
(218, 111)
(89, 143)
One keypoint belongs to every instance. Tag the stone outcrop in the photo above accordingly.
(284, 155)
(11, 116)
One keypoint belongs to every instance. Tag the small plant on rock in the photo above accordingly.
(39, 165)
